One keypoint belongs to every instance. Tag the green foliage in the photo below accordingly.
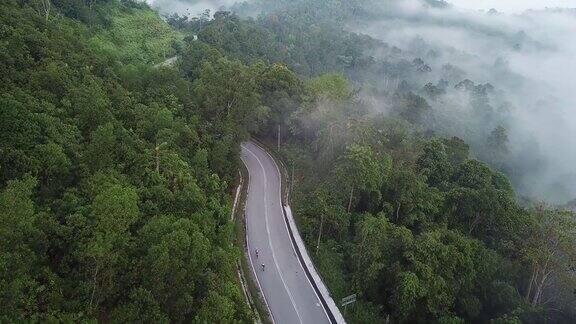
(551, 233)
(434, 163)
(378, 243)
(114, 210)
(412, 201)
(447, 244)
(363, 312)
(282, 92)
(21, 241)
(176, 253)
(240, 39)
(114, 174)
(126, 40)
(406, 294)
(113, 201)
(142, 308)
(226, 94)
(458, 151)
(301, 35)
(330, 86)
(360, 171)
(412, 108)
(330, 261)
(228, 99)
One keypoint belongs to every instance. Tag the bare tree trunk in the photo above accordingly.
(158, 159)
(475, 223)
(291, 182)
(46, 177)
(540, 287)
(43, 7)
(330, 140)
(398, 210)
(47, 7)
(529, 292)
(536, 297)
(350, 201)
(320, 233)
(95, 280)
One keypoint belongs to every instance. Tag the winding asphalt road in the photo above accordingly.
(287, 291)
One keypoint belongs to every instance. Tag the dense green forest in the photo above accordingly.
(115, 170)
(410, 220)
(115, 174)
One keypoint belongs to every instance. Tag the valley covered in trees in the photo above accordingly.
(115, 171)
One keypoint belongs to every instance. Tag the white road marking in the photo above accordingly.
(287, 230)
(268, 233)
(250, 254)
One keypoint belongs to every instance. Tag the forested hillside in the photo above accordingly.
(116, 170)
(114, 174)
(391, 207)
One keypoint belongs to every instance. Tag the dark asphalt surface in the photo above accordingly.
(287, 291)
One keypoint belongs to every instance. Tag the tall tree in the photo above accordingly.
(114, 210)
(360, 171)
(20, 257)
(434, 163)
(550, 252)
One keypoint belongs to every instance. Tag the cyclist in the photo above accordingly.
(263, 266)
(256, 253)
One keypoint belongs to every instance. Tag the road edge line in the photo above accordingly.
(246, 251)
(269, 236)
(330, 308)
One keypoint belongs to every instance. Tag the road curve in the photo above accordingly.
(286, 289)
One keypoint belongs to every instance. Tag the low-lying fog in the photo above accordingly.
(189, 7)
(529, 56)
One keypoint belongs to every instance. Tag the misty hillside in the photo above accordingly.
(434, 50)
(429, 152)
